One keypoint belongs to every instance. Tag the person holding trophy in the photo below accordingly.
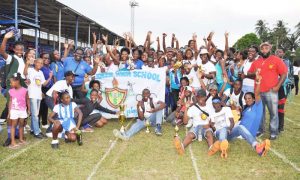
(150, 112)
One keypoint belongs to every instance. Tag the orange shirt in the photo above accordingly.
(271, 69)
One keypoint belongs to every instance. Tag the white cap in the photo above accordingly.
(203, 51)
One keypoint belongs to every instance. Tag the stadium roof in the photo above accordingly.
(48, 11)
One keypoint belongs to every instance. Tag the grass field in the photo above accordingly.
(146, 156)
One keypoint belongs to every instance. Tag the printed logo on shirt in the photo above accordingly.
(271, 66)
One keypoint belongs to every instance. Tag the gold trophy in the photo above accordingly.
(176, 130)
(147, 126)
(122, 117)
(177, 65)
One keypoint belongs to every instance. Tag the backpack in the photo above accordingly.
(290, 76)
(240, 97)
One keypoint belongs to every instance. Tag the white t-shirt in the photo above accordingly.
(37, 79)
(195, 115)
(111, 68)
(209, 105)
(207, 68)
(192, 62)
(63, 113)
(234, 98)
(147, 106)
(296, 70)
(221, 119)
(193, 78)
(21, 64)
(247, 81)
(60, 86)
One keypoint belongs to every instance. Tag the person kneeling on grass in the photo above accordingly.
(249, 125)
(148, 109)
(91, 110)
(222, 123)
(65, 112)
(198, 113)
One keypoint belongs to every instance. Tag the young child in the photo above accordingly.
(63, 119)
(18, 104)
(37, 80)
(222, 123)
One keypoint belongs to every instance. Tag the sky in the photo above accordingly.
(185, 17)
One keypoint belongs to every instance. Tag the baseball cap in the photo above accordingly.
(70, 73)
(212, 86)
(201, 93)
(265, 44)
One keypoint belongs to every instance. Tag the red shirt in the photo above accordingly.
(271, 68)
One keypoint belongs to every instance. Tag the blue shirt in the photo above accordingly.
(175, 81)
(252, 117)
(79, 68)
(138, 64)
(58, 70)
(46, 71)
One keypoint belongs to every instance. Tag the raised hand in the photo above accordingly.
(105, 38)
(164, 35)
(9, 35)
(157, 39)
(71, 43)
(211, 34)
(226, 34)
(96, 60)
(194, 36)
(94, 36)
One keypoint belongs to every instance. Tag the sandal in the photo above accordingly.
(14, 146)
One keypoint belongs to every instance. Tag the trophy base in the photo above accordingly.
(147, 131)
(122, 130)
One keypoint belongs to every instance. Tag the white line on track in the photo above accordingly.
(20, 152)
(194, 160)
(288, 119)
(97, 166)
(281, 156)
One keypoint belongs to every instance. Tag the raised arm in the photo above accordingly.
(196, 47)
(158, 44)
(68, 47)
(177, 43)
(95, 65)
(164, 42)
(27, 64)
(94, 43)
(4, 42)
(257, 86)
(105, 39)
(173, 40)
(49, 79)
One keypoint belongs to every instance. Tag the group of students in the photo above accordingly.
(219, 95)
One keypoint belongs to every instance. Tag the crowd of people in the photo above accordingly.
(219, 95)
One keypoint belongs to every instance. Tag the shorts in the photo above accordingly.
(67, 124)
(195, 131)
(16, 114)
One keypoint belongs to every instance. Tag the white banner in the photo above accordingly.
(127, 86)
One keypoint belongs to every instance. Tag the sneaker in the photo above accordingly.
(214, 148)
(7, 142)
(2, 121)
(28, 127)
(158, 130)
(79, 137)
(273, 138)
(119, 135)
(178, 145)
(49, 129)
(263, 147)
(259, 134)
(45, 126)
(39, 136)
(224, 147)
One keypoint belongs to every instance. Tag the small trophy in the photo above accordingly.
(176, 130)
(122, 117)
(147, 126)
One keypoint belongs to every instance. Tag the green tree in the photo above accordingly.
(279, 34)
(262, 30)
(246, 41)
(298, 28)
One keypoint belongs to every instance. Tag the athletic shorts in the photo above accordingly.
(16, 114)
(68, 124)
(195, 130)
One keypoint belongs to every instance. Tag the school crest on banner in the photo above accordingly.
(115, 96)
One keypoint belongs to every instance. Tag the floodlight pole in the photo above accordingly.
(36, 30)
(59, 31)
(76, 32)
(16, 17)
(132, 4)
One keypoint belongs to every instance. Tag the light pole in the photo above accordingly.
(132, 4)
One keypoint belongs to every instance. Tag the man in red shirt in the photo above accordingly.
(273, 72)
